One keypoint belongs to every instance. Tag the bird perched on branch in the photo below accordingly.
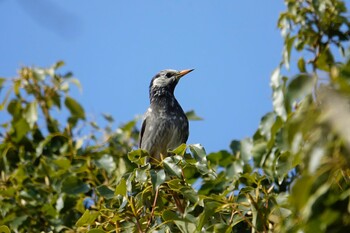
(165, 125)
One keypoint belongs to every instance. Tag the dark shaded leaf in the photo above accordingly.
(108, 117)
(235, 146)
(105, 191)
(73, 185)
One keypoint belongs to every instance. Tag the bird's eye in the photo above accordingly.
(168, 75)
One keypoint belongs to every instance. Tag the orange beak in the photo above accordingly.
(184, 72)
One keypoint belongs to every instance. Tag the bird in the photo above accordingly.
(165, 125)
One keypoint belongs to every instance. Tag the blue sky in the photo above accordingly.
(115, 47)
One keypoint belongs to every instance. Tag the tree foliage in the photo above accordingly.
(62, 172)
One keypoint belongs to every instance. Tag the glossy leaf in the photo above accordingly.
(157, 178)
(171, 166)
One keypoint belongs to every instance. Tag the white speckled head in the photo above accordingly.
(165, 78)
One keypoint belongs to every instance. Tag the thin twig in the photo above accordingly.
(153, 207)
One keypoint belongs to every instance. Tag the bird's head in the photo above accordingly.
(165, 81)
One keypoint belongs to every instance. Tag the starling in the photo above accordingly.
(165, 125)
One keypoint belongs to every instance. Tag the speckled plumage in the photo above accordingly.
(165, 125)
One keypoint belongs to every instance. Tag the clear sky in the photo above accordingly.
(115, 47)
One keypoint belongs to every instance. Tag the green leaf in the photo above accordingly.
(266, 124)
(141, 174)
(180, 150)
(4, 229)
(259, 152)
(185, 226)
(157, 178)
(235, 146)
(198, 153)
(76, 82)
(31, 113)
(74, 107)
(63, 163)
(300, 86)
(108, 117)
(107, 163)
(190, 194)
(325, 60)
(39, 74)
(121, 188)
(58, 64)
(2, 81)
(283, 165)
(6, 98)
(278, 98)
(21, 128)
(87, 219)
(246, 149)
(301, 191)
(222, 158)
(287, 50)
(192, 116)
(105, 191)
(73, 185)
(138, 156)
(169, 215)
(172, 167)
(301, 65)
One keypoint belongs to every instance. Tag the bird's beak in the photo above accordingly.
(183, 73)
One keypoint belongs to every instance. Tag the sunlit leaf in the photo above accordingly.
(74, 107)
(107, 163)
(246, 149)
(87, 219)
(266, 123)
(301, 65)
(4, 229)
(325, 60)
(192, 116)
(171, 166)
(301, 86)
(121, 188)
(180, 150)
